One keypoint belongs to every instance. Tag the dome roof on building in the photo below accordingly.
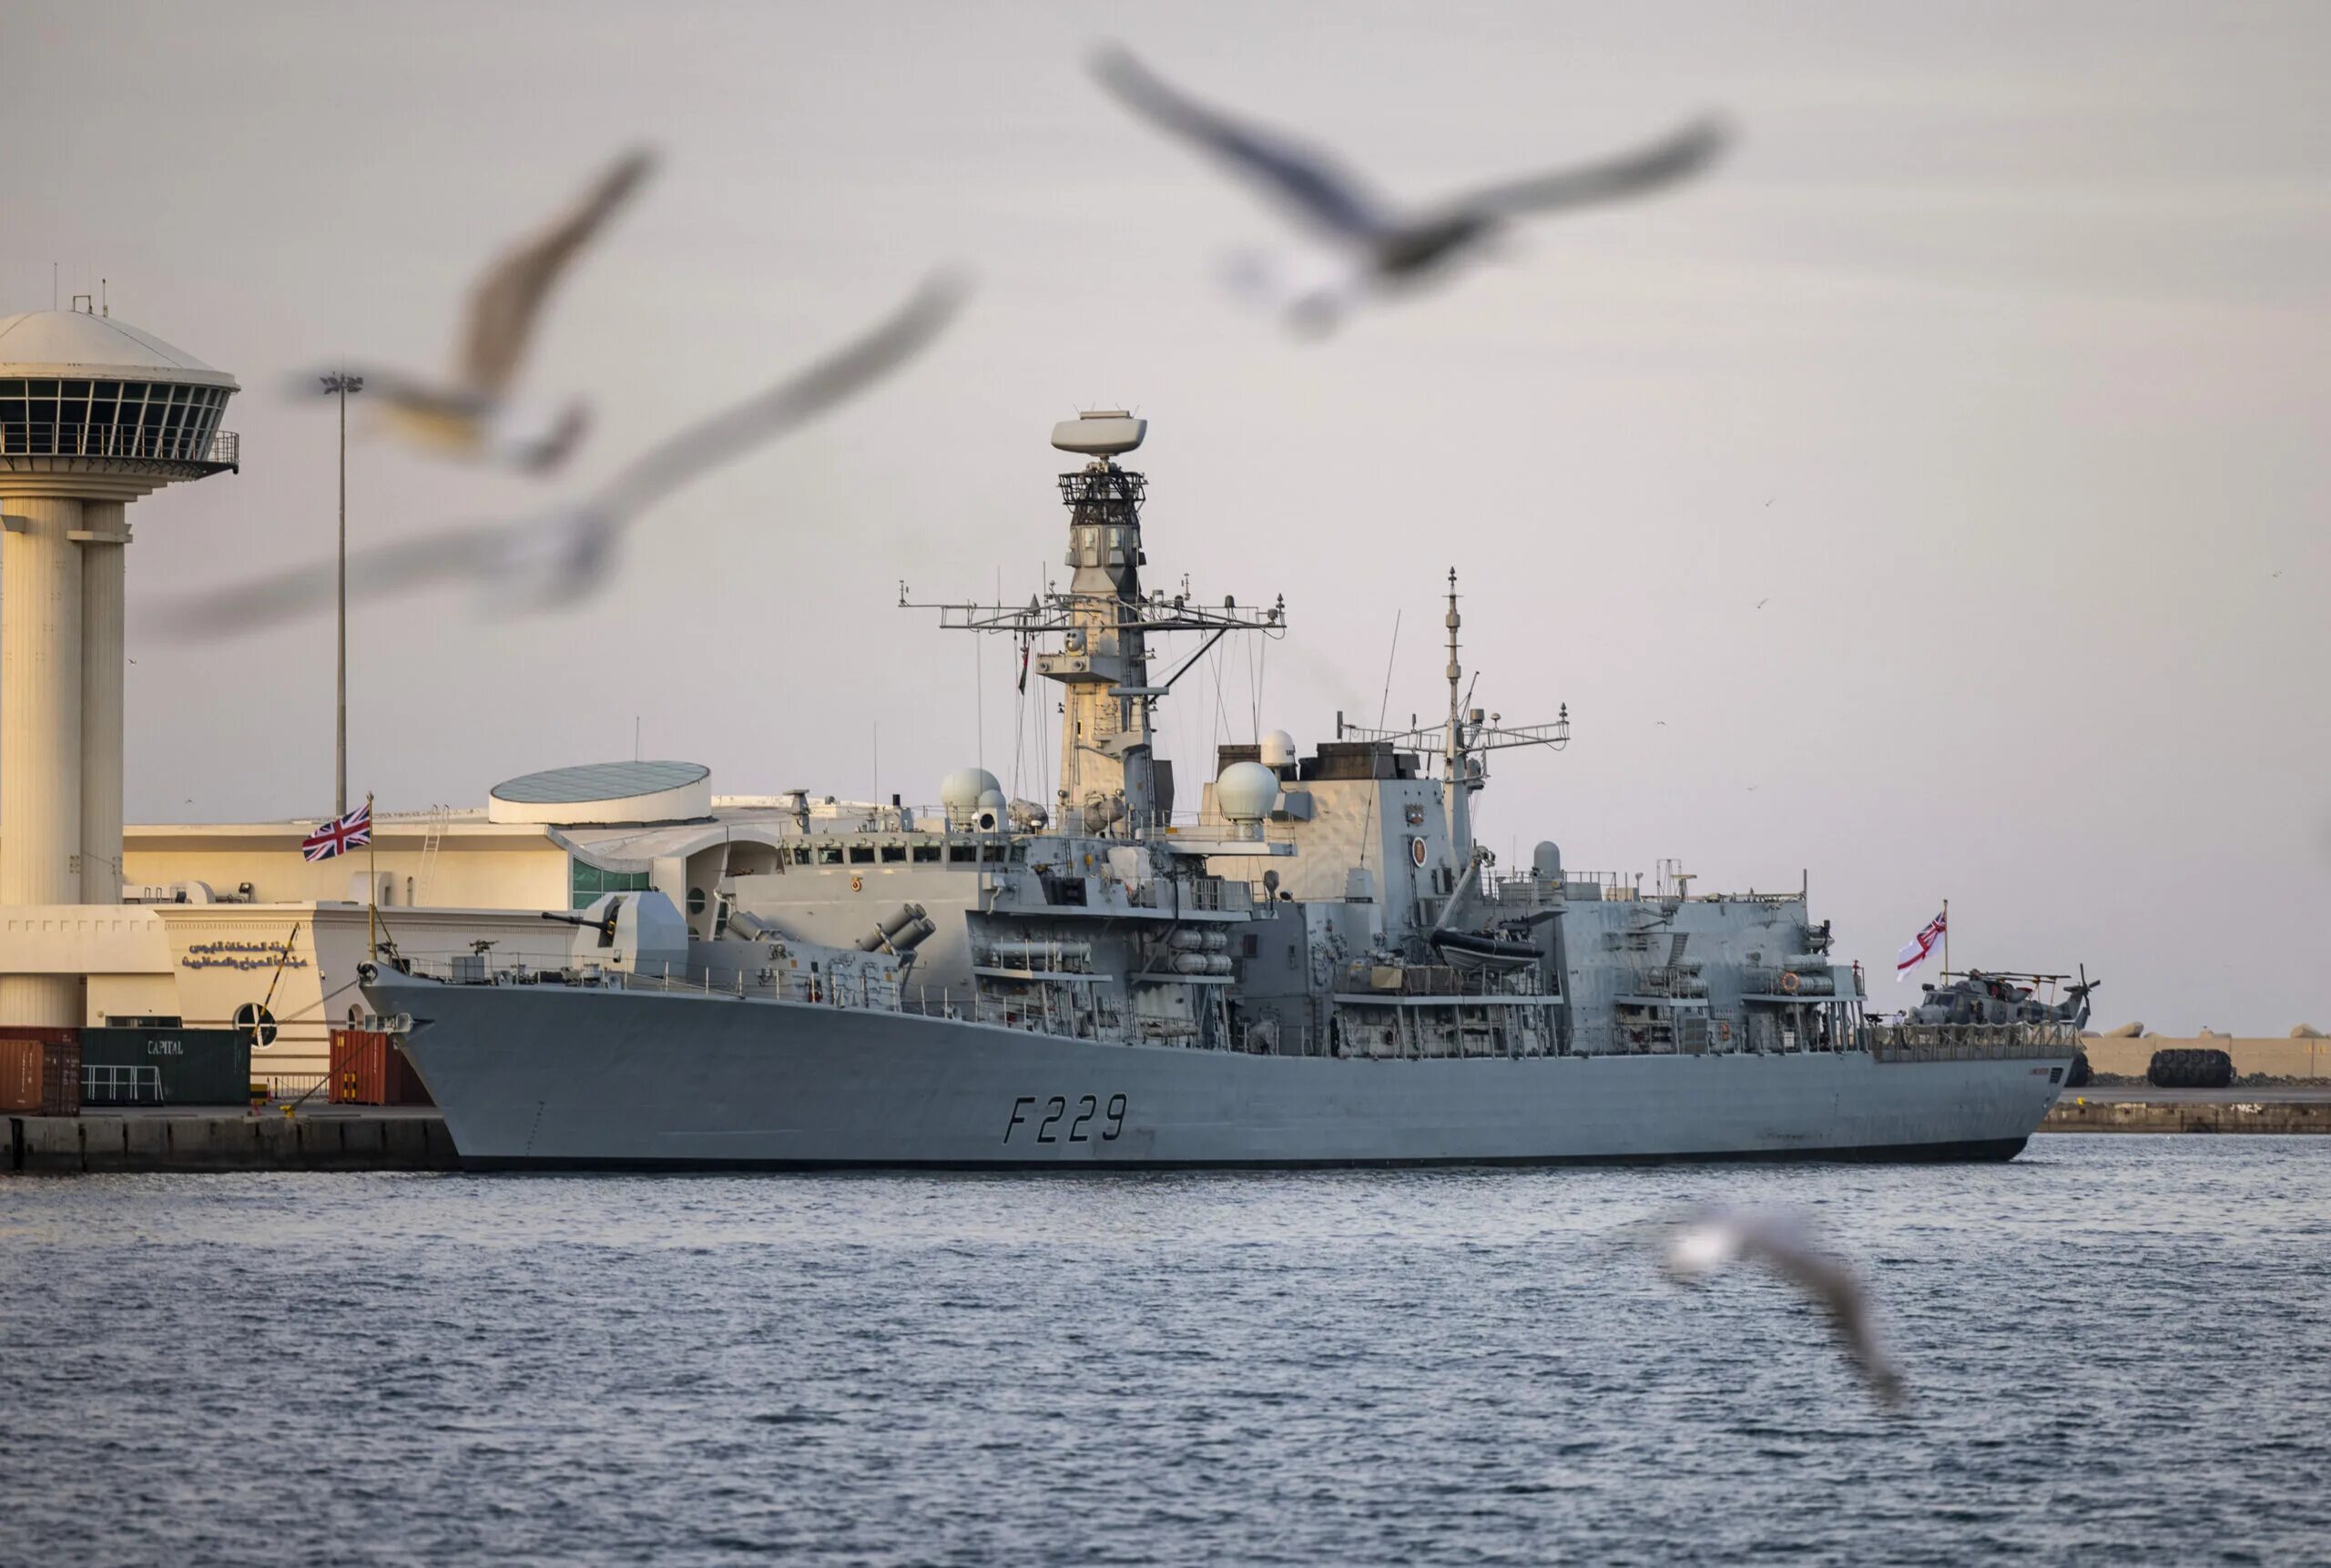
(75, 343)
(605, 792)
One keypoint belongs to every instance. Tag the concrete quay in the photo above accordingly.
(2280, 1109)
(329, 1138)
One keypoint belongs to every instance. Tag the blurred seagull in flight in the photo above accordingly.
(1383, 247)
(1718, 1237)
(561, 556)
(472, 416)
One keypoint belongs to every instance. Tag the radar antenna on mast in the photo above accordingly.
(1110, 782)
(1461, 738)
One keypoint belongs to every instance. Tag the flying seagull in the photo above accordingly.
(1718, 1237)
(472, 415)
(1383, 247)
(560, 556)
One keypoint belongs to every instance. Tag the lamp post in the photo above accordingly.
(342, 384)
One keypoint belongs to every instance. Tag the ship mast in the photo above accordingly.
(1109, 777)
(1464, 737)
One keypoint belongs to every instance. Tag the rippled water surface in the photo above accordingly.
(2117, 1346)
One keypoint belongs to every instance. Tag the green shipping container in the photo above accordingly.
(165, 1067)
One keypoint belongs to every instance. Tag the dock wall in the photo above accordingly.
(63, 1144)
(2073, 1114)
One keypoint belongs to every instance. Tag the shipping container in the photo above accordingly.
(367, 1069)
(40, 1070)
(60, 1079)
(20, 1070)
(165, 1067)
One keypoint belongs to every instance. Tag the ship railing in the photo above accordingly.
(850, 987)
(1970, 1041)
(858, 989)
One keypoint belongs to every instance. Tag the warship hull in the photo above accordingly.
(582, 1078)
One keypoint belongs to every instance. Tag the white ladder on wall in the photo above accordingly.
(431, 841)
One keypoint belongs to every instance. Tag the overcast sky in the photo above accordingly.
(1994, 363)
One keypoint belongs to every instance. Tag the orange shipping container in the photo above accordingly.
(367, 1069)
(20, 1072)
(40, 1071)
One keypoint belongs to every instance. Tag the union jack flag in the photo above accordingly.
(339, 835)
(1911, 957)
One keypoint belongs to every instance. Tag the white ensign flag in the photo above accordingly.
(1911, 957)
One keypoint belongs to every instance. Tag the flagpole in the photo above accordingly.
(1946, 939)
(373, 882)
(341, 383)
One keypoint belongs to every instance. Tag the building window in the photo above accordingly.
(696, 902)
(586, 883)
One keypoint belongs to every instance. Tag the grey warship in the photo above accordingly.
(1319, 966)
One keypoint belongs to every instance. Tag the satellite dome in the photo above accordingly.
(1546, 862)
(1246, 791)
(1278, 749)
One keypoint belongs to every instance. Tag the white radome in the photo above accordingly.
(1246, 791)
(961, 792)
(1278, 749)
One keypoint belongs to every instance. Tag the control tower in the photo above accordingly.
(93, 415)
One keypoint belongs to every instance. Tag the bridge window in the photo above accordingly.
(586, 883)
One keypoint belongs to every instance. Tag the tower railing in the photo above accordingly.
(213, 448)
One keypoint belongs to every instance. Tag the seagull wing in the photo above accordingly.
(1833, 1284)
(509, 294)
(1308, 182)
(443, 555)
(735, 430)
(1671, 157)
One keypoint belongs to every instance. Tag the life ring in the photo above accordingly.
(857, 882)
(1789, 983)
(1417, 850)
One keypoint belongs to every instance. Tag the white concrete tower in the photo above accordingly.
(93, 415)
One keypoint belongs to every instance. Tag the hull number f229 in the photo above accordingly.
(1065, 1119)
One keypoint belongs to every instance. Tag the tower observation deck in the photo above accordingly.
(93, 415)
